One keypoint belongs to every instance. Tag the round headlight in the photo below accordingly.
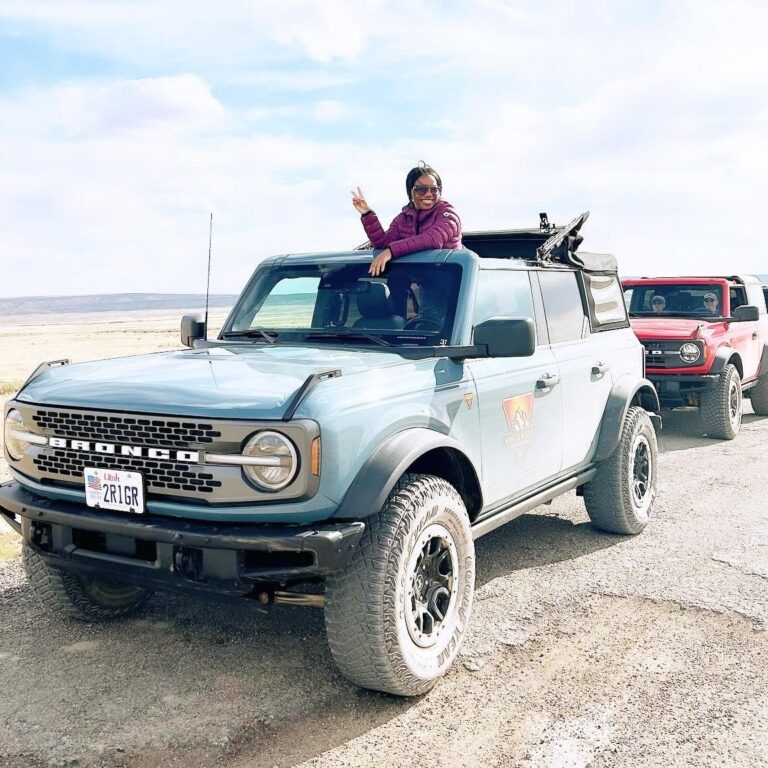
(277, 460)
(690, 352)
(14, 424)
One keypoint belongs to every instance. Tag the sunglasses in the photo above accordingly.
(659, 303)
(710, 298)
(421, 189)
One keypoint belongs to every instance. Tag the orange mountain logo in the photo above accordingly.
(518, 411)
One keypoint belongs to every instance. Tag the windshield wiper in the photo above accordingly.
(351, 335)
(253, 333)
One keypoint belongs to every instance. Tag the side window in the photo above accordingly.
(502, 293)
(605, 301)
(564, 309)
(738, 298)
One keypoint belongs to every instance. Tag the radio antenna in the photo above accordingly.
(208, 284)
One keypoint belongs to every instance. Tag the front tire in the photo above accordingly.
(397, 615)
(722, 405)
(78, 597)
(620, 497)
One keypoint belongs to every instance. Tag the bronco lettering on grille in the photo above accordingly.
(88, 446)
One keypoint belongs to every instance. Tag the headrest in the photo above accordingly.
(375, 302)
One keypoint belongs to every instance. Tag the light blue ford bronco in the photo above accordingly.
(341, 443)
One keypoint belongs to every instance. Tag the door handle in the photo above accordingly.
(754, 334)
(546, 381)
(599, 368)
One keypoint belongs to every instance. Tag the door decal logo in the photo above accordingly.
(519, 413)
(468, 398)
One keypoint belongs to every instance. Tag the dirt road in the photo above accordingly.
(584, 649)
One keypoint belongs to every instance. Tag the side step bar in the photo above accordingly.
(518, 508)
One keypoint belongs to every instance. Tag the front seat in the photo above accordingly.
(376, 310)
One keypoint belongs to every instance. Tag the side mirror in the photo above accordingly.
(192, 329)
(507, 336)
(746, 312)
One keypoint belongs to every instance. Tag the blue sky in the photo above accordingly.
(123, 124)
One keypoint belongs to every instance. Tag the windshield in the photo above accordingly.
(411, 304)
(674, 300)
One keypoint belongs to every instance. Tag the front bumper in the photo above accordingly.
(676, 389)
(225, 558)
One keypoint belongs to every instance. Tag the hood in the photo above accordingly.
(221, 382)
(668, 327)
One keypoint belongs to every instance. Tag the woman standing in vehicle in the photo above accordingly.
(427, 221)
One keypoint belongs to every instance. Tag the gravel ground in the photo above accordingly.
(584, 649)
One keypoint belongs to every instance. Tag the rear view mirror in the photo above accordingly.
(192, 329)
(507, 336)
(745, 313)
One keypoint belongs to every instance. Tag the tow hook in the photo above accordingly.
(276, 597)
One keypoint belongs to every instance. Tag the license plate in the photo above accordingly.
(114, 489)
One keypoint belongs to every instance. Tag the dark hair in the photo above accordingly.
(422, 169)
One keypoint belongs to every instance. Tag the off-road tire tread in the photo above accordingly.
(715, 408)
(62, 592)
(759, 396)
(359, 599)
(607, 496)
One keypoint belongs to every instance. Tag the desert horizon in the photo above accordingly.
(23, 306)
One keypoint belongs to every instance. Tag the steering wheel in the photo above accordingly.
(423, 324)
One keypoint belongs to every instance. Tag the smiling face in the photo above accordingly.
(425, 192)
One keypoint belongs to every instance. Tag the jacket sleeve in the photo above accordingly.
(376, 234)
(445, 229)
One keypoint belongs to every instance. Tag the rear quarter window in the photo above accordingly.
(605, 301)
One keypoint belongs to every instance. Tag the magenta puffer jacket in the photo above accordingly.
(413, 230)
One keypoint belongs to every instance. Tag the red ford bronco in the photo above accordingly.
(706, 344)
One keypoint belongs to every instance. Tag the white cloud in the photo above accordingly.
(655, 118)
(330, 111)
(110, 107)
(323, 29)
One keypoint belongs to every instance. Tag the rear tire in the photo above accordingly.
(722, 405)
(397, 615)
(759, 396)
(79, 597)
(620, 497)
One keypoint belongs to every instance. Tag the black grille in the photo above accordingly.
(152, 432)
(655, 356)
(157, 474)
(167, 433)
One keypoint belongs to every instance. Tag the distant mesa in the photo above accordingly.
(108, 302)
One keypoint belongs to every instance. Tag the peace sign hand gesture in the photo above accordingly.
(358, 200)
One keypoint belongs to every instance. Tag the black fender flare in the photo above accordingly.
(763, 369)
(625, 391)
(722, 357)
(386, 465)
